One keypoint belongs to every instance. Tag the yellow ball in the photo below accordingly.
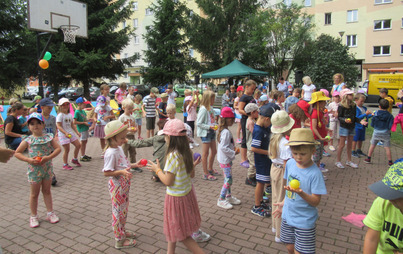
(294, 184)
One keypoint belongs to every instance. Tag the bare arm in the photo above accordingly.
(125, 173)
(260, 151)
(241, 107)
(371, 241)
(8, 131)
(313, 199)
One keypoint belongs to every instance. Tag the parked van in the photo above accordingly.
(391, 81)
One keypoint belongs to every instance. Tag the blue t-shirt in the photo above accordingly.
(23, 120)
(261, 140)
(296, 211)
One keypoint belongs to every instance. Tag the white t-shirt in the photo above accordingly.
(171, 98)
(66, 120)
(102, 112)
(308, 90)
(282, 87)
(283, 153)
(115, 159)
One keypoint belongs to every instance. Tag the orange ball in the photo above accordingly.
(44, 64)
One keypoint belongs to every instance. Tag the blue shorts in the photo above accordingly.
(303, 239)
(359, 134)
(263, 173)
(344, 132)
(139, 121)
(210, 136)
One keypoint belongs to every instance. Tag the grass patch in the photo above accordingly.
(396, 138)
(179, 104)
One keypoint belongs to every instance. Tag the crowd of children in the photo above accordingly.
(280, 146)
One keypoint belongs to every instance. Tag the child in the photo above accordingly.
(105, 92)
(137, 113)
(23, 121)
(263, 100)
(382, 122)
(383, 93)
(334, 125)
(67, 132)
(148, 108)
(307, 89)
(279, 154)
(260, 146)
(128, 119)
(162, 107)
(301, 113)
(225, 99)
(359, 136)
(252, 110)
(103, 115)
(131, 95)
(171, 111)
(232, 96)
(225, 156)
(120, 94)
(181, 211)
(36, 105)
(298, 209)
(206, 127)
(80, 119)
(186, 101)
(292, 99)
(42, 148)
(238, 115)
(385, 216)
(399, 117)
(346, 113)
(192, 113)
(117, 168)
(278, 98)
(256, 96)
(318, 125)
(171, 94)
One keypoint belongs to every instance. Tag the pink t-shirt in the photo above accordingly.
(332, 108)
(237, 100)
(121, 94)
(115, 159)
(192, 114)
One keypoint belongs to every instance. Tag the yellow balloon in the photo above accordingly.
(44, 64)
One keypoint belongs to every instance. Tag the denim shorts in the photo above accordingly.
(344, 132)
(210, 136)
(139, 121)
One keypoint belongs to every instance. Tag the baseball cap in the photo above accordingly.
(226, 112)
(391, 186)
(82, 100)
(175, 127)
(335, 93)
(63, 100)
(267, 110)
(251, 107)
(240, 88)
(263, 98)
(35, 116)
(345, 91)
(154, 90)
(46, 102)
(101, 100)
(38, 97)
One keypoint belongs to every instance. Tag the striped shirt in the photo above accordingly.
(149, 105)
(182, 184)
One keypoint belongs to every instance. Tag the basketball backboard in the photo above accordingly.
(49, 15)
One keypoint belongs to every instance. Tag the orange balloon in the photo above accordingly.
(44, 64)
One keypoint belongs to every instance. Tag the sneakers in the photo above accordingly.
(67, 167)
(250, 181)
(339, 165)
(331, 148)
(33, 221)
(355, 154)
(323, 170)
(267, 191)
(380, 143)
(224, 204)
(233, 200)
(277, 240)
(85, 158)
(139, 138)
(260, 211)
(360, 153)
(265, 206)
(54, 181)
(390, 163)
(326, 154)
(368, 160)
(75, 162)
(52, 218)
(351, 164)
(197, 145)
(245, 164)
(239, 141)
(201, 237)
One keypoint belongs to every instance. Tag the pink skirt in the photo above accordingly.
(181, 216)
(99, 131)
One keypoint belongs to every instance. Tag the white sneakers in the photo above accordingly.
(228, 202)
(332, 148)
(234, 201)
(348, 163)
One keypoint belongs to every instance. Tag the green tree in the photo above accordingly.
(167, 54)
(324, 57)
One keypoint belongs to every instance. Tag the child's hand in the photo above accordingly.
(368, 112)
(237, 150)
(126, 173)
(138, 164)
(279, 211)
(196, 162)
(298, 191)
(363, 122)
(152, 166)
(45, 159)
(79, 134)
(34, 162)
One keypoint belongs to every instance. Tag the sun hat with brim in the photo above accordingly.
(281, 122)
(318, 96)
(46, 102)
(226, 112)
(302, 136)
(164, 95)
(101, 100)
(63, 100)
(114, 128)
(240, 88)
(35, 116)
(345, 91)
(251, 107)
(391, 186)
(175, 127)
(305, 107)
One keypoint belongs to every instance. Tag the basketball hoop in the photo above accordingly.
(69, 32)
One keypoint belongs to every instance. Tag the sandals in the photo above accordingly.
(125, 243)
(214, 172)
(130, 234)
(209, 177)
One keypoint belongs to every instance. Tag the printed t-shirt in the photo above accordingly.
(81, 116)
(162, 109)
(171, 98)
(137, 113)
(322, 129)
(332, 107)
(182, 185)
(66, 120)
(261, 140)
(130, 121)
(102, 112)
(296, 211)
(149, 106)
(121, 94)
(50, 125)
(247, 99)
(115, 159)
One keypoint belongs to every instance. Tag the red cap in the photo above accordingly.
(226, 112)
(305, 107)
(240, 88)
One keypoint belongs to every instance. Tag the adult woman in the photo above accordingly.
(283, 86)
(307, 89)
(339, 85)
(12, 127)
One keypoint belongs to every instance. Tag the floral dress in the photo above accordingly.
(39, 147)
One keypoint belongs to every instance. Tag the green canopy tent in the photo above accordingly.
(236, 68)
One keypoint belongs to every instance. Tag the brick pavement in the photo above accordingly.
(81, 199)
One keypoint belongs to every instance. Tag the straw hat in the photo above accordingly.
(301, 136)
(114, 128)
(281, 122)
(318, 96)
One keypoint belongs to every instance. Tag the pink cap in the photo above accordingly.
(240, 88)
(326, 92)
(175, 127)
(335, 93)
(345, 92)
(226, 112)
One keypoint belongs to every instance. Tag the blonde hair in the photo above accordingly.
(340, 76)
(12, 101)
(188, 92)
(307, 80)
(127, 103)
(109, 141)
(171, 107)
(274, 145)
(32, 110)
(359, 96)
(208, 96)
(345, 103)
(138, 97)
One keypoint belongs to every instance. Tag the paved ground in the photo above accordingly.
(81, 199)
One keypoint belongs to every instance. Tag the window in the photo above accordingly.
(381, 50)
(328, 18)
(401, 49)
(135, 6)
(308, 3)
(383, 1)
(288, 2)
(136, 39)
(135, 22)
(126, 55)
(351, 40)
(352, 16)
(382, 24)
(149, 12)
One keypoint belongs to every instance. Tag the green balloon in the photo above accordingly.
(47, 56)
